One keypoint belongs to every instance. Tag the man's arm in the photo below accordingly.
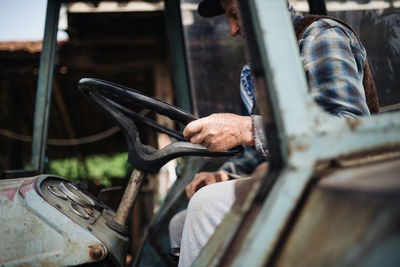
(244, 165)
(334, 59)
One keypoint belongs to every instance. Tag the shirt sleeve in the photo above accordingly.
(245, 165)
(260, 140)
(334, 61)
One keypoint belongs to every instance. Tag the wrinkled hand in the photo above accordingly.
(220, 132)
(205, 178)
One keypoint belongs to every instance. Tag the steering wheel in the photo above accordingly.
(144, 157)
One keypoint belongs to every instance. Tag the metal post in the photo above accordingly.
(129, 197)
(119, 222)
(178, 54)
(44, 85)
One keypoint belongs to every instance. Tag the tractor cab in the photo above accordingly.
(329, 198)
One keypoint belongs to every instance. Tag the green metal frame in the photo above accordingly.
(178, 54)
(44, 86)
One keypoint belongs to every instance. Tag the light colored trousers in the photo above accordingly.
(191, 229)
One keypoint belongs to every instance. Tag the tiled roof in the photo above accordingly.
(28, 46)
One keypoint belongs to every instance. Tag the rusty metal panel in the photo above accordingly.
(351, 218)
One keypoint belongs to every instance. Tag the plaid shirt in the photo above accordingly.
(333, 61)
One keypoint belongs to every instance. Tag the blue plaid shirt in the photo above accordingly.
(333, 61)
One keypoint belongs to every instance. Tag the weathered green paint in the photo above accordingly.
(178, 54)
(44, 85)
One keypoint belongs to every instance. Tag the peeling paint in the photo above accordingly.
(25, 188)
(9, 192)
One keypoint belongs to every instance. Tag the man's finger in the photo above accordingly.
(198, 138)
(190, 188)
(199, 185)
(188, 191)
(198, 180)
(193, 128)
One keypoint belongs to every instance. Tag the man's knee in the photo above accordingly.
(198, 203)
(212, 201)
(202, 199)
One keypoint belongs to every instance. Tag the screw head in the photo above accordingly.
(97, 253)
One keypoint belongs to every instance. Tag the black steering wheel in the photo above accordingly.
(144, 157)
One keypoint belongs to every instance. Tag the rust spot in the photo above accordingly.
(97, 253)
(372, 155)
(9, 192)
(22, 265)
(322, 166)
(316, 121)
(353, 124)
(48, 263)
(299, 147)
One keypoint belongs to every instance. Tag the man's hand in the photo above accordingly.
(205, 178)
(220, 132)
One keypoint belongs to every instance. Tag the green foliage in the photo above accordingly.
(100, 168)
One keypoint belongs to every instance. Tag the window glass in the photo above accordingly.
(215, 60)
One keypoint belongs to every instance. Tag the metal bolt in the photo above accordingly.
(97, 253)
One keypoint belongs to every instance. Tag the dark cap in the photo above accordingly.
(210, 8)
